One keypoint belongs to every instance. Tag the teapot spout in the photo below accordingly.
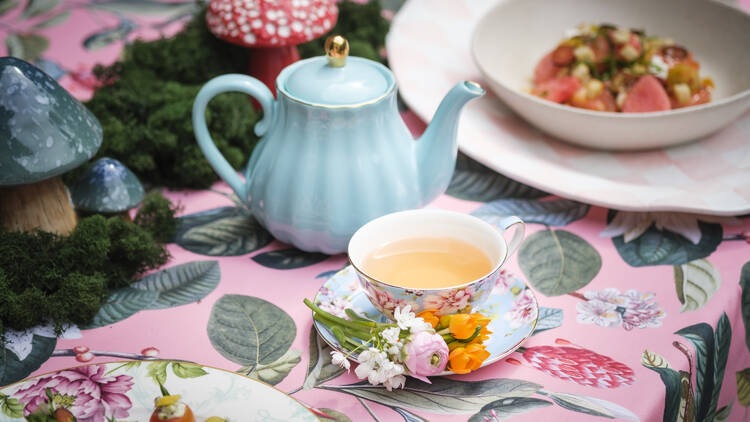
(436, 149)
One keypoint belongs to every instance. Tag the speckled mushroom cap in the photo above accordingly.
(270, 23)
(107, 187)
(44, 131)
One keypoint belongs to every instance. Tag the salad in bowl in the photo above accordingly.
(609, 68)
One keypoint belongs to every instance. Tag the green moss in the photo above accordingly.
(46, 277)
(157, 216)
(146, 108)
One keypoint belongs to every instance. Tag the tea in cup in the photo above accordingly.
(431, 259)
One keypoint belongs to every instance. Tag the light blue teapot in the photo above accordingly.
(334, 152)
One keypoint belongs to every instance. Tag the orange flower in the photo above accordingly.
(483, 335)
(463, 326)
(463, 360)
(428, 315)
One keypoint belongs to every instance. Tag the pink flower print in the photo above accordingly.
(580, 365)
(523, 310)
(610, 308)
(641, 312)
(598, 312)
(450, 301)
(91, 395)
(505, 280)
(336, 306)
(609, 295)
(384, 300)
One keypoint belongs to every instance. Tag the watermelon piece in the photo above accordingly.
(604, 102)
(601, 48)
(558, 90)
(545, 69)
(647, 94)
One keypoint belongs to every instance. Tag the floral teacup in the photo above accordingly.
(386, 296)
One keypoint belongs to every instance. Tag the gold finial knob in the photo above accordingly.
(337, 49)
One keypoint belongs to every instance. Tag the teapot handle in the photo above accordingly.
(214, 87)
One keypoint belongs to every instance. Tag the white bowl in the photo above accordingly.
(514, 35)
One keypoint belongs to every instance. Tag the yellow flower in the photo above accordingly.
(463, 360)
(428, 315)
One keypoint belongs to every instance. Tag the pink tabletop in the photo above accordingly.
(600, 336)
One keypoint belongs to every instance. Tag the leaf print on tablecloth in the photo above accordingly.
(590, 405)
(664, 247)
(37, 7)
(319, 368)
(671, 380)
(558, 212)
(289, 259)
(473, 181)
(507, 407)
(250, 331)
(711, 353)
(549, 318)
(13, 369)
(444, 396)
(745, 285)
(711, 349)
(121, 304)
(743, 387)
(225, 231)
(557, 262)
(7, 5)
(695, 283)
(28, 47)
(334, 415)
(53, 20)
(274, 372)
(181, 284)
(146, 7)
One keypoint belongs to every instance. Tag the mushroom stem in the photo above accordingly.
(265, 63)
(43, 205)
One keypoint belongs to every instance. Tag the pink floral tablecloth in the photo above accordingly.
(642, 315)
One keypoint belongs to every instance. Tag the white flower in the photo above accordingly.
(338, 359)
(633, 224)
(404, 317)
(391, 335)
(418, 325)
(397, 381)
(395, 351)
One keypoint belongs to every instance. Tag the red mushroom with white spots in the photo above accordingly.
(272, 28)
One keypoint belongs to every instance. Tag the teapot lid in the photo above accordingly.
(335, 80)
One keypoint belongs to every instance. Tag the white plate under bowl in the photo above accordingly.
(515, 34)
(429, 51)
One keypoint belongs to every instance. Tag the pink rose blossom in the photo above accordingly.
(96, 395)
(449, 302)
(426, 355)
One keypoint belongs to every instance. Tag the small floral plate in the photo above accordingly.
(126, 391)
(512, 307)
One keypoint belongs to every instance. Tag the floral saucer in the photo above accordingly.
(126, 391)
(512, 307)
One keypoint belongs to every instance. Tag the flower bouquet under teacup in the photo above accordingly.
(416, 345)
(412, 298)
